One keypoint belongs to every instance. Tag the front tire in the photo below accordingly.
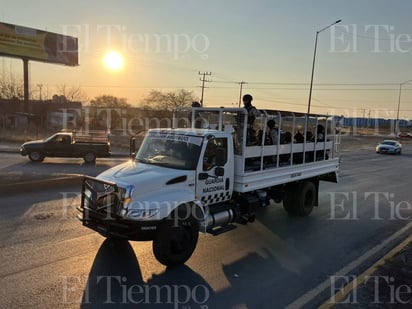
(176, 240)
(36, 156)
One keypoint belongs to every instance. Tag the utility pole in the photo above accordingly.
(363, 117)
(369, 118)
(203, 80)
(241, 89)
(40, 86)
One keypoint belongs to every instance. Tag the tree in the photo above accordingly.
(72, 93)
(106, 100)
(168, 100)
(11, 87)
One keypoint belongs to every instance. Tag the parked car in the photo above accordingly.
(389, 146)
(69, 145)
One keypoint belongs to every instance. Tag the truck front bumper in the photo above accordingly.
(110, 226)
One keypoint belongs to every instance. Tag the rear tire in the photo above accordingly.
(306, 199)
(299, 198)
(89, 157)
(36, 156)
(176, 240)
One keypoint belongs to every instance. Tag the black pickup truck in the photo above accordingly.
(68, 144)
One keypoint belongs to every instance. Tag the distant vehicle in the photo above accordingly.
(69, 145)
(389, 146)
(405, 135)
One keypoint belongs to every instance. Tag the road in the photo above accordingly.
(14, 166)
(50, 261)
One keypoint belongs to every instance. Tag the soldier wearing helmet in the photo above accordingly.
(252, 113)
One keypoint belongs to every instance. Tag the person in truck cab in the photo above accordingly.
(66, 140)
(209, 159)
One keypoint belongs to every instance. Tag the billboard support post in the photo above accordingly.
(26, 84)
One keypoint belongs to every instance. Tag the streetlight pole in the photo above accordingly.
(399, 105)
(314, 57)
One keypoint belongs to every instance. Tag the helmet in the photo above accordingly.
(247, 98)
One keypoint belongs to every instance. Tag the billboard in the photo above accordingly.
(22, 42)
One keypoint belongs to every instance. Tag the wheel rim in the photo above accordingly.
(35, 155)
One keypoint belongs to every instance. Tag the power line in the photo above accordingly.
(306, 84)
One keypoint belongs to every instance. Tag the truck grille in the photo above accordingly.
(101, 197)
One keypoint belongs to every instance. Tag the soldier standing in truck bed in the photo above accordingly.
(252, 113)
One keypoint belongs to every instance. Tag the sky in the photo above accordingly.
(360, 62)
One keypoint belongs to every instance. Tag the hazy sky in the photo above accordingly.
(268, 44)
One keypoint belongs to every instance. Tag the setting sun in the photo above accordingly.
(113, 61)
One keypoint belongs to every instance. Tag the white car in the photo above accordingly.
(389, 146)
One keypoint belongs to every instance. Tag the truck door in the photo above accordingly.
(57, 146)
(215, 183)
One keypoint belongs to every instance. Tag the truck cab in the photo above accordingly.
(207, 174)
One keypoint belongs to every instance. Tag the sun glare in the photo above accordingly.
(113, 61)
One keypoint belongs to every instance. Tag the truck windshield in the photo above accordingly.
(170, 150)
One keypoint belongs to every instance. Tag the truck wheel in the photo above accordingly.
(300, 198)
(306, 199)
(89, 157)
(36, 156)
(176, 241)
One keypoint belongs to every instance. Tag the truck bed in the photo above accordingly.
(273, 176)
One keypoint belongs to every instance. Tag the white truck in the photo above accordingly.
(212, 170)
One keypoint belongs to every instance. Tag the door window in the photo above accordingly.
(209, 158)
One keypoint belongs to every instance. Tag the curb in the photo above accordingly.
(9, 150)
(345, 291)
(39, 184)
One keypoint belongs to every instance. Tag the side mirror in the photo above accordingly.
(221, 156)
(219, 171)
(132, 147)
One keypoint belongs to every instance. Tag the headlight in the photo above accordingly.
(142, 213)
(126, 194)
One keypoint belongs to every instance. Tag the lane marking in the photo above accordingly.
(310, 295)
